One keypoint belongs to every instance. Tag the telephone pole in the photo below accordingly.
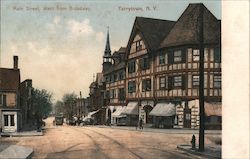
(201, 82)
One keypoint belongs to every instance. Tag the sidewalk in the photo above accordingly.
(211, 151)
(15, 151)
(22, 133)
(157, 130)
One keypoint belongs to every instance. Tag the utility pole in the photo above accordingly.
(201, 81)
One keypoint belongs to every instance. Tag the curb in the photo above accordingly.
(197, 152)
(160, 131)
(21, 134)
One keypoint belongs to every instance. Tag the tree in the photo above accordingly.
(59, 107)
(69, 100)
(42, 102)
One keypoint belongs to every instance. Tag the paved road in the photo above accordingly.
(103, 143)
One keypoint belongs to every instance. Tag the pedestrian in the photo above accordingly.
(140, 124)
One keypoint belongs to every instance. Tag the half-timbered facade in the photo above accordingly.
(115, 87)
(162, 68)
(177, 62)
(144, 40)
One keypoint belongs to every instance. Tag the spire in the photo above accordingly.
(107, 51)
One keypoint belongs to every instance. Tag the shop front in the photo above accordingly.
(163, 115)
(132, 114)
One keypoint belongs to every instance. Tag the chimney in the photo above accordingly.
(80, 95)
(15, 58)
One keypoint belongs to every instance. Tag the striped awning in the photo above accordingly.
(163, 109)
(131, 109)
(118, 112)
(213, 109)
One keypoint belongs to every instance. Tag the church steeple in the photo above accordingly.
(107, 51)
(107, 58)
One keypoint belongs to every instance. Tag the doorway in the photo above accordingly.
(148, 118)
(9, 122)
(187, 118)
(109, 117)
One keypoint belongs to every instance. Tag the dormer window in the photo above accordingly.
(138, 45)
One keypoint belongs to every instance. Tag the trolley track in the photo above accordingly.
(120, 145)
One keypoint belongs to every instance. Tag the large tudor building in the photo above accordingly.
(159, 72)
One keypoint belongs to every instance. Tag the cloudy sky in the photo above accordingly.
(60, 43)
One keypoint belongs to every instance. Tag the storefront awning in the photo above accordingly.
(118, 112)
(212, 109)
(131, 109)
(163, 109)
(92, 113)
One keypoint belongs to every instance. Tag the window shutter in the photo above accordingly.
(170, 83)
(183, 55)
(4, 100)
(170, 57)
(183, 80)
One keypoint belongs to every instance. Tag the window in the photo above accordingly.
(113, 93)
(121, 75)
(196, 80)
(3, 99)
(138, 45)
(146, 85)
(162, 83)
(131, 67)
(177, 56)
(121, 94)
(107, 78)
(29, 91)
(162, 58)
(196, 55)
(6, 120)
(12, 123)
(131, 86)
(112, 79)
(217, 81)
(177, 81)
(217, 55)
(144, 63)
(115, 77)
(107, 95)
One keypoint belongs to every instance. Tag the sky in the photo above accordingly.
(60, 44)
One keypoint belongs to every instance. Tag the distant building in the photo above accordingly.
(10, 115)
(115, 88)
(96, 99)
(26, 106)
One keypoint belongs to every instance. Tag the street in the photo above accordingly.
(95, 142)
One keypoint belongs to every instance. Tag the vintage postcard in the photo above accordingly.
(111, 79)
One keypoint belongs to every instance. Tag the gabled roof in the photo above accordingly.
(117, 67)
(9, 79)
(186, 29)
(152, 30)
